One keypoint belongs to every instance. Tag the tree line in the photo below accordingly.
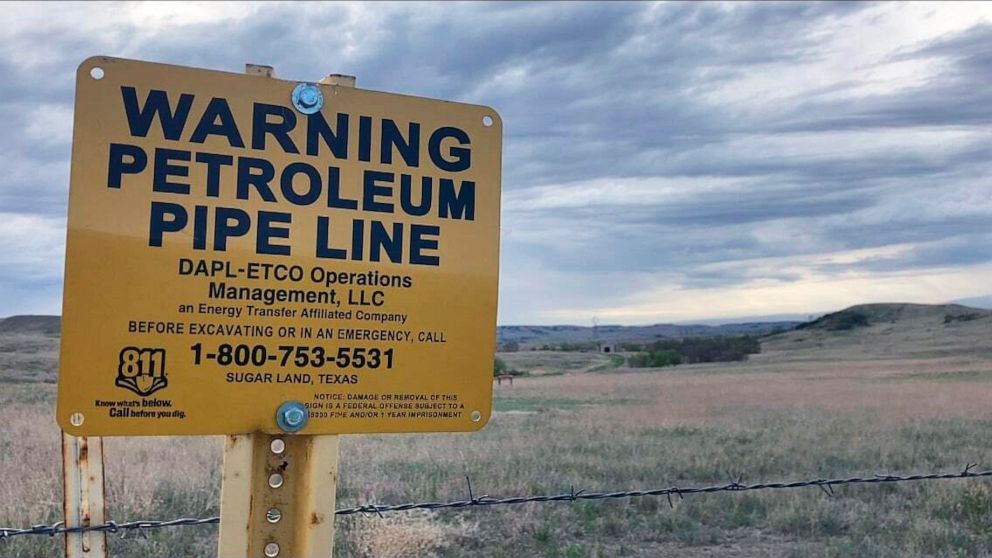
(671, 352)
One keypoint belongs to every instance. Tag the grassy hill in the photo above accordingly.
(29, 348)
(45, 325)
(890, 330)
(535, 336)
(29, 344)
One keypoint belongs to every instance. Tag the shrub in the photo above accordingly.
(948, 318)
(838, 321)
(671, 352)
(848, 320)
(571, 347)
(499, 367)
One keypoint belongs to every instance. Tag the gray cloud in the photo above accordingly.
(611, 92)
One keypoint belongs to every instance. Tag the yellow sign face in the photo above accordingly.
(238, 242)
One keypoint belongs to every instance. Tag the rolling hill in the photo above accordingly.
(29, 344)
(532, 336)
(29, 348)
(46, 325)
(892, 330)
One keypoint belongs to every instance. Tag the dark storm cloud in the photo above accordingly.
(966, 249)
(601, 82)
(970, 50)
(610, 92)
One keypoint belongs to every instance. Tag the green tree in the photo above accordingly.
(499, 367)
(666, 357)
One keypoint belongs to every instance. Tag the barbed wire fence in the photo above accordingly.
(473, 501)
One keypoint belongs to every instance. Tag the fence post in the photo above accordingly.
(278, 492)
(278, 496)
(83, 495)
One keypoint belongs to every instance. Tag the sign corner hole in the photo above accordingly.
(96, 72)
(487, 120)
(76, 419)
(476, 416)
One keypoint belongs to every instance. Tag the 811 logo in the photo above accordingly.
(141, 370)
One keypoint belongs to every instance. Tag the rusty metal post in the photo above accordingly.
(278, 496)
(83, 495)
(278, 492)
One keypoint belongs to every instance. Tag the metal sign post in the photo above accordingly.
(83, 496)
(278, 493)
(278, 496)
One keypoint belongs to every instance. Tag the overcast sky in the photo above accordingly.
(669, 162)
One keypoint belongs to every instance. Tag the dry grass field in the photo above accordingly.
(539, 363)
(892, 397)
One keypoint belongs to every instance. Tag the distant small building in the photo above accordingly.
(607, 348)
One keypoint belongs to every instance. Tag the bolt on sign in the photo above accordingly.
(237, 243)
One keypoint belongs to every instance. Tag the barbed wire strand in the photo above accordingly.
(736, 485)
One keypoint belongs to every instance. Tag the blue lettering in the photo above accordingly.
(163, 170)
(139, 120)
(462, 156)
(213, 161)
(337, 142)
(165, 217)
(391, 137)
(227, 127)
(117, 168)
(406, 196)
(460, 205)
(266, 232)
(357, 239)
(372, 190)
(334, 198)
(324, 249)
(365, 138)
(279, 130)
(259, 180)
(380, 239)
(313, 180)
(200, 227)
(230, 222)
(420, 241)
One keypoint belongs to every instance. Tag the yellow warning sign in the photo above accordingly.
(237, 243)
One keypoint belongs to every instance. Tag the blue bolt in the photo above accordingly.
(307, 98)
(295, 417)
(292, 416)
